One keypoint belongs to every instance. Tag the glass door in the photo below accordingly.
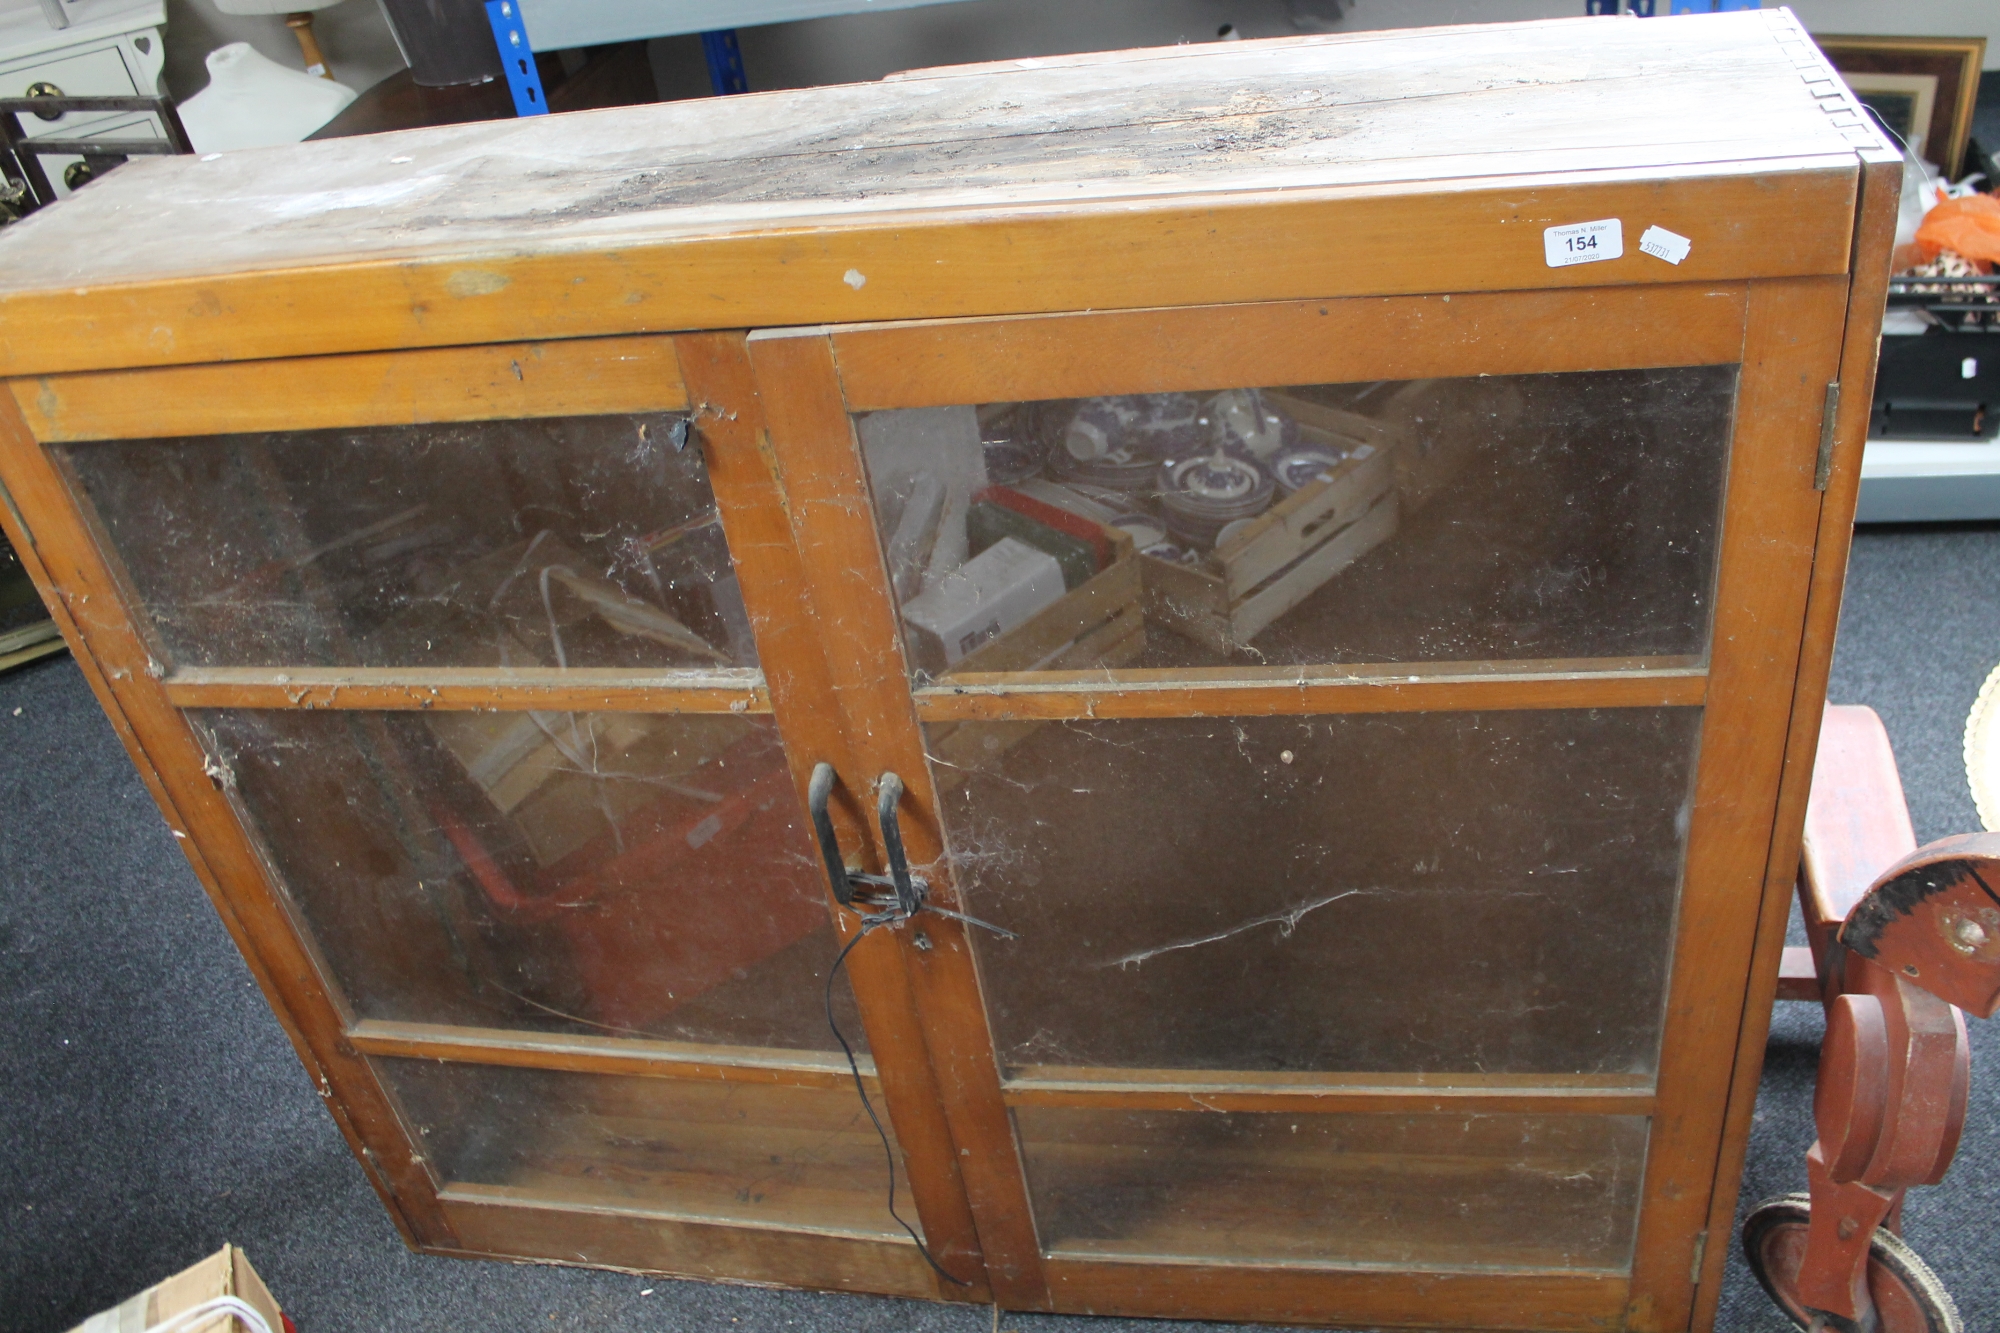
(477, 652)
(1366, 715)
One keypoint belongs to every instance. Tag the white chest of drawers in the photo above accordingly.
(111, 48)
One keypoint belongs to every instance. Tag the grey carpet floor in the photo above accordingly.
(150, 1108)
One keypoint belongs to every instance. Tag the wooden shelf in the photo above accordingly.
(1300, 1294)
(608, 1055)
(1427, 687)
(1321, 1093)
(486, 1220)
(580, 689)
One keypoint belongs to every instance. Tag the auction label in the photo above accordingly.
(1583, 242)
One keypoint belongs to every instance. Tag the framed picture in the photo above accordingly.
(1922, 87)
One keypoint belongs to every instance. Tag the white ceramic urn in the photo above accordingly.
(252, 101)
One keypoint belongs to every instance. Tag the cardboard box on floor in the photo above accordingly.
(224, 1273)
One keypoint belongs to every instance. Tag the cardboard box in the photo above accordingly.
(226, 1273)
(1100, 625)
(992, 593)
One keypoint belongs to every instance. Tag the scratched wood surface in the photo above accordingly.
(1285, 113)
(823, 204)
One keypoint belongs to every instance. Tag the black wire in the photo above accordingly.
(869, 923)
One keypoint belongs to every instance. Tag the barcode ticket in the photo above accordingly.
(1663, 244)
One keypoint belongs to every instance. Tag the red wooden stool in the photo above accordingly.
(1899, 938)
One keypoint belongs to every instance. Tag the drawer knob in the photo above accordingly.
(45, 89)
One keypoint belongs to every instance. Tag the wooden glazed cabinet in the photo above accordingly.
(479, 535)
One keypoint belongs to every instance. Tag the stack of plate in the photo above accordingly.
(1201, 496)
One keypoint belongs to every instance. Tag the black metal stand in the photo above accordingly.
(27, 186)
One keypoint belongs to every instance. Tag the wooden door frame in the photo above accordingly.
(1792, 345)
(1785, 335)
(1880, 194)
(814, 453)
(79, 574)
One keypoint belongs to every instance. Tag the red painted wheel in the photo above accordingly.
(1908, 1296)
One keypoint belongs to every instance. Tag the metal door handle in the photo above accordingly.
(817, 792)
(909, 889)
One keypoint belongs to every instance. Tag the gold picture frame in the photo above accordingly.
(1924, 88)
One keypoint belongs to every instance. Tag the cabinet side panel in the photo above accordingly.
(1875, 231)
(1770, 522)
(99, 626)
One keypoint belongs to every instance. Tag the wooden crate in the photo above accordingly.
(1444, 425)
(1284, 556)
(1435, 427)
(1101, 623)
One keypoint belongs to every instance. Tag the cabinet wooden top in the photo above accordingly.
(663, 216)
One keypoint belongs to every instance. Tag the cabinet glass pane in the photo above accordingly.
(1395, 1191)
(576, 541)
(620, 874)
(20, 605)
(1476, 893)
(1502, 517)
(739, 1152)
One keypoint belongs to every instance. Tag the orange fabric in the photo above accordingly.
(1971, 226)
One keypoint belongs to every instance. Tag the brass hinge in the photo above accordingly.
(1700, 1253)
(1823, 469)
